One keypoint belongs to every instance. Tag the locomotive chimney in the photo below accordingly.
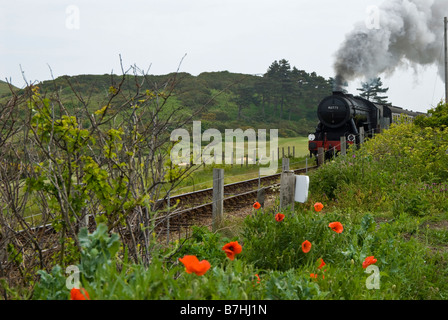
(338, 93)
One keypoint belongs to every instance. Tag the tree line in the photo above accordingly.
(284, 97)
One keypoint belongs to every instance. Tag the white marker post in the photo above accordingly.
(301, 189)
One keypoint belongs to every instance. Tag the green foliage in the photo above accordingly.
(399, 261)
(389, 171)
(437, 117)
(205, 245)
(133, 282)
(51, 286)
(292, 285)
(407, 269)
(278, 245)
(98, 250)
(233, 280)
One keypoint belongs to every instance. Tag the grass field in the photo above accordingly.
(202, 178)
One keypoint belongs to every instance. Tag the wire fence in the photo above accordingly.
(231, 163)
(252, 166)
(356, 139)
(216, 199)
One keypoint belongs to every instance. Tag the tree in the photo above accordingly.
(279, 74)
(243, 98)
(372, 90)
(107, 162)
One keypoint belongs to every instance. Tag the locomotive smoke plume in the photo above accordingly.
(409, 33)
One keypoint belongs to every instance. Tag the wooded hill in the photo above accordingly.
(283, 98)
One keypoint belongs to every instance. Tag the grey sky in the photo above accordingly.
(243, 36)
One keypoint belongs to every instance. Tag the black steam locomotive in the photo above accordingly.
(343, 114)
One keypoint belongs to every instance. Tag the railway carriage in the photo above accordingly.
(343, 115)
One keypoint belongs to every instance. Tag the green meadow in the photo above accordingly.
(202, 176)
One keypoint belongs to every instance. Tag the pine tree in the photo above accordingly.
(372, 90)
(279, 73)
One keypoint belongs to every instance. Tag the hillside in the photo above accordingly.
(4, 88)
(284, 97)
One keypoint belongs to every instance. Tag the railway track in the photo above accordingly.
(191, 208)
(195, 205)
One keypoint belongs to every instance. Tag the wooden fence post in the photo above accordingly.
(218, 198)
(320, 156)
(361, 135)
(285, 164)
(260, 196)
(168, 218)
(287, 189)
(343, 146)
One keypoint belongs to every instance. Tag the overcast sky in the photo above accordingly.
(245, 36)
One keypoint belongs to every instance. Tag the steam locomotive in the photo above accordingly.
(343, 114)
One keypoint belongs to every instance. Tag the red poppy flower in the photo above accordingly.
(313, 275)
(279, 217)
(368, 261)
(336, 227)
(258, 278)
(231, 249)
(318, 206)
(306, 246)
(79, 294)
(322, 263)
(257, 205)
(193, 265)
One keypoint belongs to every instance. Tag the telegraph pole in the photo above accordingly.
(446, 60)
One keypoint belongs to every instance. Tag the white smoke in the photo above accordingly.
(410, 34)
